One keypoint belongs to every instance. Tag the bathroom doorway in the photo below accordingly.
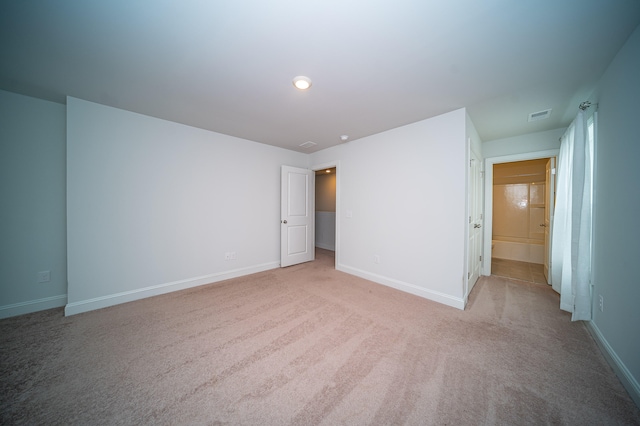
(519, 184)
(519, 211)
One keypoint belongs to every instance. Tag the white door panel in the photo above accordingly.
(297, 239)
(475, 221)
(297, 216)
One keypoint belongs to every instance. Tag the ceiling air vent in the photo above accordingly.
(308, 144)
(540, 115)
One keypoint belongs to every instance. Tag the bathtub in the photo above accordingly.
(522, 249)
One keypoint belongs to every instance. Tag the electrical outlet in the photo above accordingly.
(44, 276)
(376, 259)
(601, 303)
(233, 255)
(227, 256)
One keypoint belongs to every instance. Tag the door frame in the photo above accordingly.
(488, 196)
(330, 165)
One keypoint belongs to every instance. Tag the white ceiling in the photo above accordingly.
(227, 65)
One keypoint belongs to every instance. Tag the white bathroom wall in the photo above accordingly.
(403, 207)
(154, 206)
(32, 217)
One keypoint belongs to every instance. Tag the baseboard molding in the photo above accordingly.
(156, 290)
(628, 381)
(435, 296)
(31, 306)
(331, 247)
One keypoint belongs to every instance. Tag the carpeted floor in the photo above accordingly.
(310, 345)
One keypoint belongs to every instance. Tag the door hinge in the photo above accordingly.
(469, 219)
(480, 258)
(468, 275)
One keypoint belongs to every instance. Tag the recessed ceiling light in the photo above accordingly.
(327, 171)
(301, 82)
(344, 138)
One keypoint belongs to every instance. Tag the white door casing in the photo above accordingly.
(297, 216)
(549, 200)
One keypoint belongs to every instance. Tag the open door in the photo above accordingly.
(549, 199)
(297, 216)
(475, 221)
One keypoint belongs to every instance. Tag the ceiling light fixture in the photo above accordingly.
(301, 82)
(344, 138)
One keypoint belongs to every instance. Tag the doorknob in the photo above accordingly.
(477, 225)
(283, 221)
(543, 225)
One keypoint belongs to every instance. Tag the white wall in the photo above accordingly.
(530, 142)
(405, 192)
(325, 230)
(616, 239)
(153, 206)
(32, 217)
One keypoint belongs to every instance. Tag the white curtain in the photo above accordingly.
(571, 234)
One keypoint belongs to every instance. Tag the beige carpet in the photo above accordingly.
(309, 345)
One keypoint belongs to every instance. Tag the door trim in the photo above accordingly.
(488, 196)
(329, 165)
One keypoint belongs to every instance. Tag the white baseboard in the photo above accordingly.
(31, 306)
(156, 290)
(435, 296)
(628, 381)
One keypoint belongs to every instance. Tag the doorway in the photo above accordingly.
(325, 211)
(327, 218)
(490, 215)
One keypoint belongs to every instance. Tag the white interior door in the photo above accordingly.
(475, 221)
(297, 216)
(549, 199)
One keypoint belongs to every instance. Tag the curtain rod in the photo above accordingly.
(584, 105)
